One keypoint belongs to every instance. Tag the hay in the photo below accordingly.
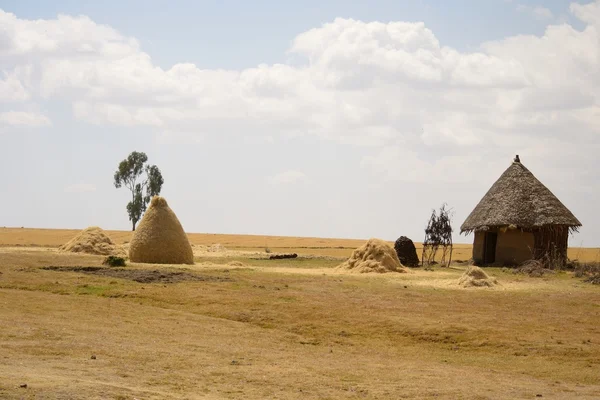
(236, 263)
(475, 276)
(92, 240)
(375, 256)
(160, 238)
(216, 248)
(533, 268)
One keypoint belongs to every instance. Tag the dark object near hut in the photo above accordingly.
(407, 253)
(520, 219)
(282, 256)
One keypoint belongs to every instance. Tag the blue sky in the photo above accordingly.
(314, 118)
(242, 34)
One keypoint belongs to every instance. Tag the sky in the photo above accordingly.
(331, 118)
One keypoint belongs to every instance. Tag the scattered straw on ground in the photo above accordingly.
(92, 240)
(236, 263)
(534, 268)
(374, 256)
(475, 276)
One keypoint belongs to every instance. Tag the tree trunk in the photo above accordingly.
(133, 229)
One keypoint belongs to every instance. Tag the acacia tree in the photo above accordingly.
(131, 175)
(438, 234)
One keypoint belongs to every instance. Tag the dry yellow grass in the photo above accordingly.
(289, 329)
(341, 248)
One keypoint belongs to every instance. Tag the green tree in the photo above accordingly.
(131, 175)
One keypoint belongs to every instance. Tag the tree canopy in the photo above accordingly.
(143, 180)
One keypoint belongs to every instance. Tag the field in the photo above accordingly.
(237, 325)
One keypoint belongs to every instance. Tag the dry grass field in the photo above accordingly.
(28, 237)
(237, 326)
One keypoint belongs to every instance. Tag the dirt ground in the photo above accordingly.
(240, 326)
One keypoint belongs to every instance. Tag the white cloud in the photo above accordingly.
(286, 177)
(537, 12)
(12, 85)
(80, 188)
(393, 88)
(24, 118)
(174, 137)
(588, 13)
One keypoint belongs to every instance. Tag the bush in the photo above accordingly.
(114, 261)
(585, 269)
(593, 279)
(589, 271)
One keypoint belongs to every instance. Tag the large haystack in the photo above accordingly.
(92, 240)
(160, 238)
(475, 276)
(374, 256)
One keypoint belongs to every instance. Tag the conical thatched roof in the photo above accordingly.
(519, 199)
(160, 238)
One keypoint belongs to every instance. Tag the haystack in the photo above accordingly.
(406, 251)
(92, 240)
(374, 256)
(475, 276)
(160, 238)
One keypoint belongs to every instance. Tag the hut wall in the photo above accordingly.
(478, 247)
(551, 245)
(514, 247)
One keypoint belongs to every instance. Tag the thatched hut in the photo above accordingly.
(519, 219)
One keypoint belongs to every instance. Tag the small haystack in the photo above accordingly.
(475, 276)
(374, 256)
(160, 238)
(92, 240)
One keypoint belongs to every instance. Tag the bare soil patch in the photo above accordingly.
(141, 275)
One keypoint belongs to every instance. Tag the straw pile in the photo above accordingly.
(160, 238)
(374, 256)
(475, 276)
(92, 240)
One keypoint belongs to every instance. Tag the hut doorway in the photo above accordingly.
(489, 247)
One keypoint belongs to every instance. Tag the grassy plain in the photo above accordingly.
(284, 329)
(28, 237)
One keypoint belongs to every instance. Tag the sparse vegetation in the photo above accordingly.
(590, 271)
(438, 234)
(114, 261)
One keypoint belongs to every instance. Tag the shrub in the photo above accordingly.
(114, 261)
